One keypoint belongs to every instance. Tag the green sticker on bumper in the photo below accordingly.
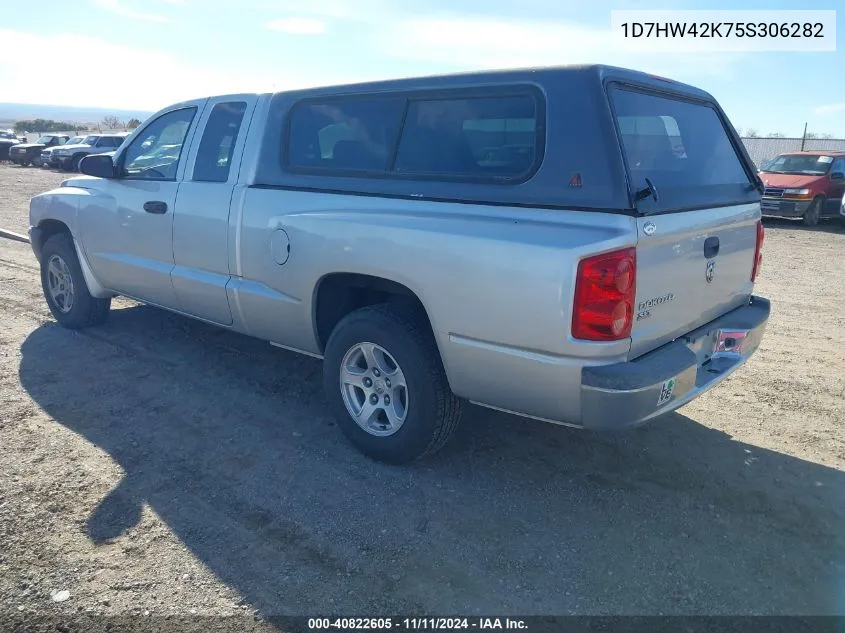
(666, 392)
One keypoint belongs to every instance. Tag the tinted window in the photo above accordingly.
(154, 154)
(214, 156)
(490, 137)
(682, 148)
(355, 134)
(838, 166)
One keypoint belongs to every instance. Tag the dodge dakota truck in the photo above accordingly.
(577, 245)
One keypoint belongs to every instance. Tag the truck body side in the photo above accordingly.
(285, 261)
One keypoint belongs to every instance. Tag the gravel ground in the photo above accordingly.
(158, 465)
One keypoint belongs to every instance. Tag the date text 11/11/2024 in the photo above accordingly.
(415, 624)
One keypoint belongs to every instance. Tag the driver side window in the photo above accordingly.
(155, 152)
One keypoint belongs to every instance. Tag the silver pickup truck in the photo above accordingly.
(577, 245)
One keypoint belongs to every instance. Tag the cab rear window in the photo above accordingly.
(678, 153)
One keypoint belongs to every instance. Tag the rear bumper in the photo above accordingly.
(784, 208)
(627, 394)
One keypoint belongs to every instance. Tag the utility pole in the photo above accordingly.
(804, 136)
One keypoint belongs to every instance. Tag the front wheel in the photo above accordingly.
(64, 286)
(385, 383)
(75, 162)
(813, 212)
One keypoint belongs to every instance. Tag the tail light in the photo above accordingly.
(758, 250)
(604, 296)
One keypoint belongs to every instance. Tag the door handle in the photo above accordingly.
(155, 206)
(711, 247)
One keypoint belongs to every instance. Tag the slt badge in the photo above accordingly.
(710, 271)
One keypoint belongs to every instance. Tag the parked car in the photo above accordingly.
(596, 278)
(6, 145)
(807, 185)
(28, 153)
(68, 156)
(11, 136)
(48, 156)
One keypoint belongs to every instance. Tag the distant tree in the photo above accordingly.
(111, 122)
(825, 135)
(811, 135)
(45, 125)
(775, 135)
(752, 133)
(131, 124)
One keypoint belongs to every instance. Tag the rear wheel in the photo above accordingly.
(65, 288)
(813, 212)
(385, 383)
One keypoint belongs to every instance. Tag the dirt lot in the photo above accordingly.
(158, 465)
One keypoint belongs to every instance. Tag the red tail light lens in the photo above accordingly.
(758, 251)
(604, 296)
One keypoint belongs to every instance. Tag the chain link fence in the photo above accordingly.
(762, 149)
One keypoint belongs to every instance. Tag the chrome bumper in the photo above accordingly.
(627, 394)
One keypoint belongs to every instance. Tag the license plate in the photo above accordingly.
(729, 341)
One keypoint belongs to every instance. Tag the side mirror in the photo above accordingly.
(99, 165)
(837, 175)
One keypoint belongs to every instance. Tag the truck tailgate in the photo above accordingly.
(691, 268)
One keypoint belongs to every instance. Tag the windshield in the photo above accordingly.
(90, 140)
(76, 140)
(43, 140)
(799, 164)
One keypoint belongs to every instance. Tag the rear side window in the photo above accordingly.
(683, 149)
(486, 137)
(343, 135)
(475, 138)
(214, 157)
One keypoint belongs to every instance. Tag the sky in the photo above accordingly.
(147, 54)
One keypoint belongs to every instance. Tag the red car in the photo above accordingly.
(807, 185)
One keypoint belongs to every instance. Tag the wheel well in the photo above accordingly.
(338, 294)
(49, 228)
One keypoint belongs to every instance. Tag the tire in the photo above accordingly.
(431, 411)
(82, 310)
(813, 212)
(75, 162)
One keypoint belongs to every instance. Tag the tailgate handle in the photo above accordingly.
(711, 247)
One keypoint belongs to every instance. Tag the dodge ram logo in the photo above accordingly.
(710, 271)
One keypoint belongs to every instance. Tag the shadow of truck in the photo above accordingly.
(230, 443)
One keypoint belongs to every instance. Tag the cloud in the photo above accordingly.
(117, 8)
(460, 40)
(491, 41)
(298, 26)
(158, 82)
(831, 108)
